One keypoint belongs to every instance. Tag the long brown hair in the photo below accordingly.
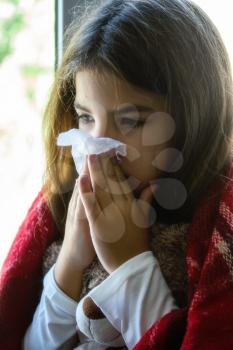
(168, 47)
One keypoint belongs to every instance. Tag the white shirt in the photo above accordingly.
(133, 298)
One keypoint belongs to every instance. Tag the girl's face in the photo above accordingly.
(109, 107)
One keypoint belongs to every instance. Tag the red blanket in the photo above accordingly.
(207, 322)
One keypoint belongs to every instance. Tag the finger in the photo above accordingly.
(122, 181)
(74, 195)
(99, 181)
(76, 187)
(110, 175)
(89, 199)
(148, 193)
(80, 213)
(85, 167)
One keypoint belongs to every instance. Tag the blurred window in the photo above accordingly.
(27, 58)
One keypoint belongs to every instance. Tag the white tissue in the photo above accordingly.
(83, 144)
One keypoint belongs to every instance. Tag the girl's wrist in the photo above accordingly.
(71, 259)
(68, 277)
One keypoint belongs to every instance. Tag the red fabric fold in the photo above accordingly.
(21, 274)
(206, 323)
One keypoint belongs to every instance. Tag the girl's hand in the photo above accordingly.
(118, 221)
(77, 251)
(77, 243)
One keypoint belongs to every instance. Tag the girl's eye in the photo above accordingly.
(132, 122)
(83, 117)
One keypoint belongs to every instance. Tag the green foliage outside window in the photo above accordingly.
(9, 28)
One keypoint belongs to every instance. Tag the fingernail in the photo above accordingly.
(154, 188)
(93, 158)
(84, 179)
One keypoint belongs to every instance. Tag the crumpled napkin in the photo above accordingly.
(83, 144)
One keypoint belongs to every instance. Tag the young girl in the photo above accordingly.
(135, 254)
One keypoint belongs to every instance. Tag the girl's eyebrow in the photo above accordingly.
(127, 109)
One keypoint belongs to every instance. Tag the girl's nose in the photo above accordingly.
(106, 131)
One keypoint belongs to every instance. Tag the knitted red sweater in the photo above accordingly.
(207, 322)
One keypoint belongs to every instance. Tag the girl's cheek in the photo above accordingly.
(158, 130)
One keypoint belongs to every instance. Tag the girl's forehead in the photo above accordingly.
(106, 88)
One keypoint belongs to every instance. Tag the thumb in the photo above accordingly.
(148, 193)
